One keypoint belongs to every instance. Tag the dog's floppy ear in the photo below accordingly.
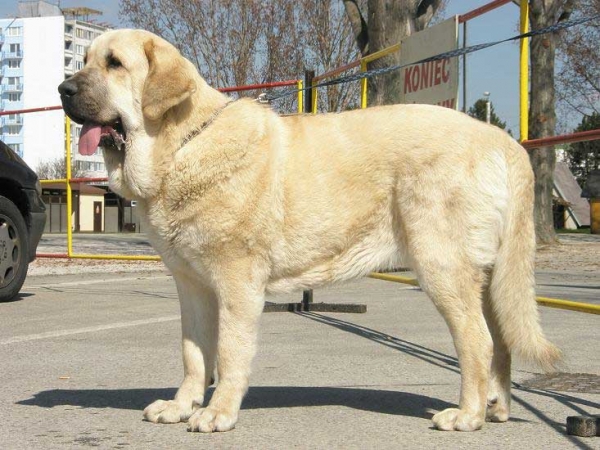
(169, 81)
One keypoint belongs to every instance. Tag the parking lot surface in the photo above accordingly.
(83, 353)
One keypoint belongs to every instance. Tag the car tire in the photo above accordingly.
(14, 250)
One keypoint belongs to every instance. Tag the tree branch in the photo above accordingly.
(425, 12)
(567, 11)
(359, 25)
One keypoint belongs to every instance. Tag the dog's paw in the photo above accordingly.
(497, 411)
(208, 420)
(167, 411)
(456, 419)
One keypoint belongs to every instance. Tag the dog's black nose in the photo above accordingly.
(67, 88)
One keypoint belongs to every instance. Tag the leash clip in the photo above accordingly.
(262, 98)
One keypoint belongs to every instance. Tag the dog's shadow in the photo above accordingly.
(261, 397)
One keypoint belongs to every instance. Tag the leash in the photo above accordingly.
(266, 98)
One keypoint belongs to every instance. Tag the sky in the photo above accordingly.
(494, 70)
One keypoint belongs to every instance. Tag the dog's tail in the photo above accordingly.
(512, 280)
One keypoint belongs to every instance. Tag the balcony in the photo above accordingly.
(15, 119)
(12, 87)
(17, 54)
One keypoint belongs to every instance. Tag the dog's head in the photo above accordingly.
(130, 77)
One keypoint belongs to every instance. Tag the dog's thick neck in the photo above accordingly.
(151, 149)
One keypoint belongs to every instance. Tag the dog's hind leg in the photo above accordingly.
(199, 335)
(240, 306)
(455, 289)
(498, 401)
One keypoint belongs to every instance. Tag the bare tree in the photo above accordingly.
(240, 42)
(54, 169)
(578, 88)
(387, 22)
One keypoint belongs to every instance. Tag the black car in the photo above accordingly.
(22, 220)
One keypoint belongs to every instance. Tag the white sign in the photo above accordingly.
(435, 82)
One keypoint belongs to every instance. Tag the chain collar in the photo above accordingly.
(192, 134)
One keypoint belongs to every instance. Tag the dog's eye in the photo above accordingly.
(112, 62)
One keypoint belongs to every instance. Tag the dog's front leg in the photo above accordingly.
(199, 313)
(240, 307)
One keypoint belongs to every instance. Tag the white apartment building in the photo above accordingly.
(38, 50)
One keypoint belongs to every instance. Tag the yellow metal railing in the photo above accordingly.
(542, 301)
(364, 61)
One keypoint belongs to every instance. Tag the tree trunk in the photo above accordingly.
(389, 22)
(542, 116)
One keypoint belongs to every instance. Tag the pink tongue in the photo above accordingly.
(89, 138)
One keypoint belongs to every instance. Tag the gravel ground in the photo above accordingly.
(50, 266)
(575, 252)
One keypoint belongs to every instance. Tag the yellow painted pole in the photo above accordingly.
(569, 305)
(394, 278)
(68, 185)
(300, 86)
(524, 73)
(363, 85)
(60, 180)
(315, 93)
(116, 257)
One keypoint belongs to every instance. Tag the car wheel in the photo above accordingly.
(14, 250)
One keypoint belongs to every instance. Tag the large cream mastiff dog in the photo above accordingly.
(241, 202)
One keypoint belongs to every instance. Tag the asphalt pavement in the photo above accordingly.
(83, 354)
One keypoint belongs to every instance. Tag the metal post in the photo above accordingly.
(464, 77)
(524, 72)
(363, 85)
(307, 299)
(308, 96)
(488, 107)
(309, 75)
(300, 87)
(68, 186)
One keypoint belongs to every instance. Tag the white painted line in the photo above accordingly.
(61, 333)
(104, 280)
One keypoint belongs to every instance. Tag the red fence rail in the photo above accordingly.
(482, 10)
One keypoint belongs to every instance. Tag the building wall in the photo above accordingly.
(78, 37)
(43, 71)
(86, 211)
(52, 49)
(11, 86)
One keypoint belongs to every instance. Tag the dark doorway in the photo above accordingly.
(97, 216)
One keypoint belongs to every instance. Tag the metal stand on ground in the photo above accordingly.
(307, 304)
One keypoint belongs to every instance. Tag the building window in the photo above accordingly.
(16, 148)
(14, 97)
(14, 31)
(13, 130)
(78, 65)
(12, 81)
(14, 63)
(80, 49)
